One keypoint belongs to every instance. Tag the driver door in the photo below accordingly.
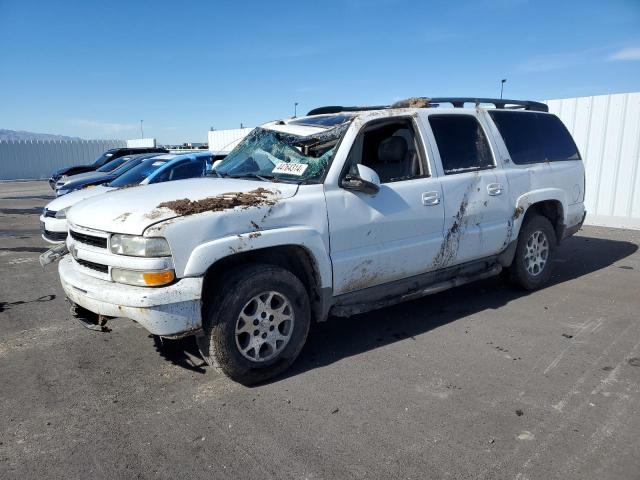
(397, 232)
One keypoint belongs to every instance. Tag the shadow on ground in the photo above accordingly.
(340, 338)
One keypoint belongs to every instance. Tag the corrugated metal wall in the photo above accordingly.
(607, 131)
(226, 140)
(38, 159)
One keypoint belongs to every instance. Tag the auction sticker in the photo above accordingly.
(290, 168)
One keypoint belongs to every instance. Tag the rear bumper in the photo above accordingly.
(166, 311)
(573, 229)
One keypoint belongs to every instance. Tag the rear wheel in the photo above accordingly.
(533, 262)
(256, 325)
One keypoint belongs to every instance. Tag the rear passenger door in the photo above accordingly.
(476, 201)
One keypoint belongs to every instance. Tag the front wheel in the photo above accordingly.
(535, 253)
(256, 324)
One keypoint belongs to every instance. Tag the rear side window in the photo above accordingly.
(462, 144)
(534, 137)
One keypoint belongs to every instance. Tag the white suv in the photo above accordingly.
(342, 211)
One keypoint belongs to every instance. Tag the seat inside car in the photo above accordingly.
(390, 151)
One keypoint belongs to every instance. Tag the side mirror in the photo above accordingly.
(361, 179)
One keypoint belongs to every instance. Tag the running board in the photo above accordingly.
(362, 305)
(454, 282)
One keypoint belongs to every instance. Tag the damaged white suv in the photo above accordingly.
(336, 213)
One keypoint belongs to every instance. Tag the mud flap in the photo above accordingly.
(53, 255)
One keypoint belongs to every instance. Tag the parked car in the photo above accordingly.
(107, 156)
(340, 212)
(104, 174)
(151, 169)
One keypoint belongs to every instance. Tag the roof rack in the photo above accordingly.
(338, 109)
(425, 102)
(458, 102)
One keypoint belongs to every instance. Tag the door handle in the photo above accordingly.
(430, 198)
(494, 189)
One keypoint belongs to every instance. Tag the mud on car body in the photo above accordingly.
(342, 211)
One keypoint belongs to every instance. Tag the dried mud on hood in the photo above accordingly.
(254, 198)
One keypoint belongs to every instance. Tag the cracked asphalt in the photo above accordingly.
(482, 381)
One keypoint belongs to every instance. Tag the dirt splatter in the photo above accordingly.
(226, 201)
(153, 214)
(255, 225)
(449, 248)
(254, 234)
(122, 218)
(413, 102)
(519, 211)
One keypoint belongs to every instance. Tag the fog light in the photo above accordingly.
(142, 279)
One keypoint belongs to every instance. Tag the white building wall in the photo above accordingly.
(38, 159)
(141, 143)
(606, 129)
(226, 140)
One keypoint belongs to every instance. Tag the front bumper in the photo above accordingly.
(165, 311)
(54, 230)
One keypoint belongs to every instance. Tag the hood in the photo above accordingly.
(59, 173)
(81, 176)
(75, 197)
(131, 210)
(77, 181)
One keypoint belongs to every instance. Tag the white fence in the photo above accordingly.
(226, 140)
(39, 158)
(606, 129)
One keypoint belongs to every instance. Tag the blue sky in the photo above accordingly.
(95, 68)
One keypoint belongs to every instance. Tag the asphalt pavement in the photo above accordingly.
(482, 381)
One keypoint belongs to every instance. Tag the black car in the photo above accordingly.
(102, 175)
(107, 156)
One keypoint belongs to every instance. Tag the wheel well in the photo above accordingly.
(552, 209)
(294, 258)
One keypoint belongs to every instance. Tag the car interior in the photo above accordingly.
(390, 149)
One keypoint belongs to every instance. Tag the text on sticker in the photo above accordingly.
(290, 168)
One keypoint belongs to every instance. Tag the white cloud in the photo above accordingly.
(629, 53)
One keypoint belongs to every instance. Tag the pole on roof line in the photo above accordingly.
(502, 82)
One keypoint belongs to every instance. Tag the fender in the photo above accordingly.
(523, 202)
(208, 253)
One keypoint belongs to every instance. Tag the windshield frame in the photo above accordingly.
(274, 178)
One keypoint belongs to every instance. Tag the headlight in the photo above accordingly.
(139, 246)
(62, 213)
(142, 279)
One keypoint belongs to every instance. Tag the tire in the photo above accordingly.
(256, 324)
(536, 250)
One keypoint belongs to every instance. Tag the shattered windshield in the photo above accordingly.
(269, 154)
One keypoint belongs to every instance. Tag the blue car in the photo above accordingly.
(104, 174)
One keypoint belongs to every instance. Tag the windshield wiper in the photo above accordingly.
(264, 178)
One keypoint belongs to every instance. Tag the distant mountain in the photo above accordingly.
(22, 135)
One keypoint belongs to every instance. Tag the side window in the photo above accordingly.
(186, 170)
(389, 148)
(462, 144)
(533, 137)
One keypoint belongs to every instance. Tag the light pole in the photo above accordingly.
(295, 109)
(141, 130)
(502, 82)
